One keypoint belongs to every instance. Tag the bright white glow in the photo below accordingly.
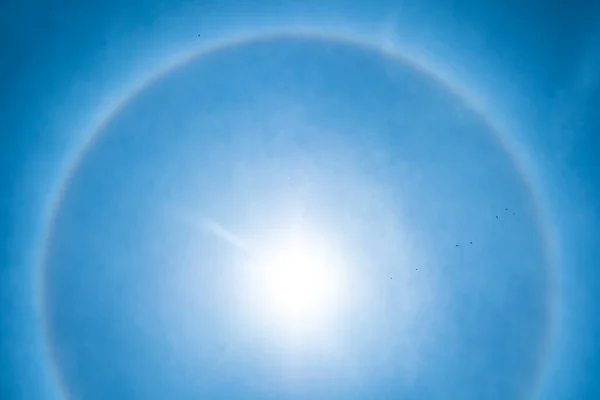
(298, 284)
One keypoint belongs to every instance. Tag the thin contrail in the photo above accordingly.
(219, 231)
(213, 227)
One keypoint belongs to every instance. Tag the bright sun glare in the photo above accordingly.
(298, 283)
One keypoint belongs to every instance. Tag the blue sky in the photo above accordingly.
(439, 161)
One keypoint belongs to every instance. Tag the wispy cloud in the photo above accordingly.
(222, 233)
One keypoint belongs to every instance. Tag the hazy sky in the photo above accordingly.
(266, 200)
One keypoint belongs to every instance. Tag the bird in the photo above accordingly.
(456, 245)
(198, 35)
(470, 242)
(496, 216)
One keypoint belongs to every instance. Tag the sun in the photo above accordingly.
(299, 283)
